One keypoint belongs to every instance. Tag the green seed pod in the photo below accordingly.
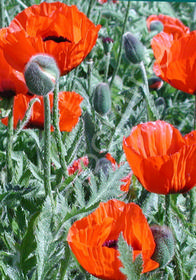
(134, 49)
(41, 73)
(156, 25)
(102, 99)
(165, 244)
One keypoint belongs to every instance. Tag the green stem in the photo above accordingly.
(10, 133)
(192, 209)
(91, 2)
(2, 14)
(47, 185)
(90, 69)
(121, 43)
(57, 133)
(167, 210)
(107, 66)
(151, 108)
(178, 265)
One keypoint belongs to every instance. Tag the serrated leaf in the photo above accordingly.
(132, 269)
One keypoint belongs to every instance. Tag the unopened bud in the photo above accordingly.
(102, 99)
(103, 165)
(156, 25)
(155, 83)
(41, 74)
(165, 244)
(134, 49)
(107, 44)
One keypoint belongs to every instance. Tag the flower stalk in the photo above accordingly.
(57, 133)
(107, 67)
(167, 210)
(47, 185)
(10, 133)
(121, 44)
(151, 108)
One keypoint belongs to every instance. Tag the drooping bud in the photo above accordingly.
(134, 49)
(102, 99)
(155, 83)
(41, 74)
(156, 25)
(165, 244)
(107, 44)
(103, 165)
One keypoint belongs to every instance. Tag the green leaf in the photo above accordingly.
(132, 269)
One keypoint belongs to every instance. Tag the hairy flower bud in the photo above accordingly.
(102, 99)
(156, 25)
(134, 49)
(107, 44)
(164, 240)
(41, 74)
(155, 83)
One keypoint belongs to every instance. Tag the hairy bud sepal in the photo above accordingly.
(165, 244)
(41, 74)
(102, 99)
(134, 49)
(156, 25)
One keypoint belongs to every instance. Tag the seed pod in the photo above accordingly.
(156, 25)
(41, 73)
(134, 49)
(164, 240)
(102, 99)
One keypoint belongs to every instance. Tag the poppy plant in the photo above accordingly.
(94, 239)
(175, 60)
(161, 158)
(11, 81)
(170, 25)
(69, 109)
(77, 165)
(55, 29)
(127, 179)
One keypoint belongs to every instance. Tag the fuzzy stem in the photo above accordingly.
(107, 66)
(91, 2)
(192, 209)
(57, 133)
(47, 185)
(90, 68)
(2, 14)
(10, 133)
(151, 108)
(121, 43)
(167, 210)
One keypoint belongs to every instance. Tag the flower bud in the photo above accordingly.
(156, 25)
(155, 83)
(103, 165)
(134, 49)
(41, 74)
(164, 240)
(107, 44)
(102, 99)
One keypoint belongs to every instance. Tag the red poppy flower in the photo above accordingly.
(161, 158)
(170, 25)
(126, 179)
(69, 109)
(11, 81)
(77, 165)
(94, 239)
(175, 60)
(53, 28)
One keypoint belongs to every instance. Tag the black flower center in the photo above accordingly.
(111, 244)
(57, 39)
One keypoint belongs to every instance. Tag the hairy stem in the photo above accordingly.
(90, 69)
(57, 133)
(107, 66)
(47, 184)
(151, 108)
(121, 43)
(10, 132)
(167, 210)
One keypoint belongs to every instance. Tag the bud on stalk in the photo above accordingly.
(134, 49)
(41, 74)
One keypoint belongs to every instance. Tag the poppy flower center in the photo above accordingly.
(57, 39)
(111, 244)
(7, 93)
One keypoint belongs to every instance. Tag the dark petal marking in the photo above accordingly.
(56, 39)
(111, 244)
